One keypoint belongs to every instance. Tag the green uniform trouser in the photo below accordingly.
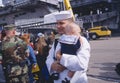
(18, 79)
(16, 73)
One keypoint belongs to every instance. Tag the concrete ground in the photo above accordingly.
(105, 54)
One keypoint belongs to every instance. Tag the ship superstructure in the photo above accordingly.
(30, 13)
(26, 13)
(98, 13)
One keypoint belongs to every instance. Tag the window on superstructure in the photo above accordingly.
(23, 13)
(3, 19)
(41, 16)
(32, 10)
(16, 15)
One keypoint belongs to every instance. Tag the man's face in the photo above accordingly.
(61, 26)
(10, 33)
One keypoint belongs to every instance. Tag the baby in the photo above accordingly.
(70, 43)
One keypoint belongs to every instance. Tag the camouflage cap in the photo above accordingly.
(9, 27)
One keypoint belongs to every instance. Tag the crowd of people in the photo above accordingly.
(14, 46)
(61, 60)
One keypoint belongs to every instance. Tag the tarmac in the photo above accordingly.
(105, 54)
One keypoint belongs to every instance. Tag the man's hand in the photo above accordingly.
(56, 66)
(58, 55)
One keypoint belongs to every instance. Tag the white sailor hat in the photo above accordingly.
(62, 15)
(17, 33)
(40, 35)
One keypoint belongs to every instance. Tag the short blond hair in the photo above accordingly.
(72, 29)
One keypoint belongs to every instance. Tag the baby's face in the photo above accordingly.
(72, 31)
(68, 31)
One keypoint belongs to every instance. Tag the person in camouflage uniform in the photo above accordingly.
(14, 53)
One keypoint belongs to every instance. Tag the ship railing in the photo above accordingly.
(98, 17)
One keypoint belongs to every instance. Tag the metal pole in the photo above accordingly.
(91, 13)
(61, 5)
(92, 24)
(64, 8)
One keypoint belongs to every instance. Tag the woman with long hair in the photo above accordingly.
(42, 48)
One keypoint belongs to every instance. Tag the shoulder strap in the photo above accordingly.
(55, 44)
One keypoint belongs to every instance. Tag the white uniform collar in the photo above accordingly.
(68, 39)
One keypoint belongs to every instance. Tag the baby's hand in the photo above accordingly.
(70, 74)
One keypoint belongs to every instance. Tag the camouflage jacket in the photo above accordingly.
(14, 50)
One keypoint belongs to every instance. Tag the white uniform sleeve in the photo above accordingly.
(50, 58)
(80, 61)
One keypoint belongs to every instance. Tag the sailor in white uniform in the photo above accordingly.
(77, 63)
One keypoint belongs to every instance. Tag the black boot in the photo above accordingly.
(65, 81)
